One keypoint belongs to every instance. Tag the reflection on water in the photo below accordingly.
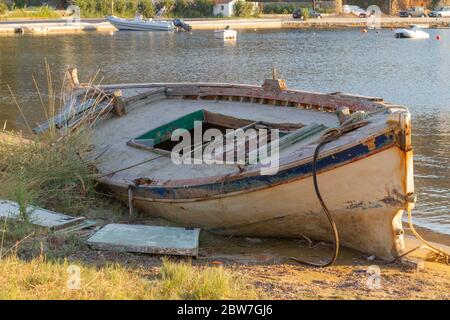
(413, 73)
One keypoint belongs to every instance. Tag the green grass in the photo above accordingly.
(41, 279)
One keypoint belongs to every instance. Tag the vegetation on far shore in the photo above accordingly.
(148, 8)
(43, 12)
(128, 8)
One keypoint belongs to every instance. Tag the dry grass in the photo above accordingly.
(48, 172)
(40, 279)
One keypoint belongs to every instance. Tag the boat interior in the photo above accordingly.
(153, 114)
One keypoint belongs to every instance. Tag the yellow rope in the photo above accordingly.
(426, 244)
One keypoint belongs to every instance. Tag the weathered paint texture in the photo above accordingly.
(147, 239)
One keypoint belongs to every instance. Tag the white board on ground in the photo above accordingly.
(147, 239)
(38, 216)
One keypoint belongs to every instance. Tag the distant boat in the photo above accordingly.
(414, 33)
(225, 34)
(140, 24)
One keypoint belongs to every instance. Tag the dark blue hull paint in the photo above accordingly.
(263, 181)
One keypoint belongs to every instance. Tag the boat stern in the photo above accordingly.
(400, 122)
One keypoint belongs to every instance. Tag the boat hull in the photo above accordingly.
(365, 197)
(225, 34)
(411, 34)
(137, 25)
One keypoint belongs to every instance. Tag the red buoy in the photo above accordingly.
(438, 37)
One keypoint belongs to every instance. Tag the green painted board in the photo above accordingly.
(147, 239)
(164, 132)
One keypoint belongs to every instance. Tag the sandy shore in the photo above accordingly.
(283, 22)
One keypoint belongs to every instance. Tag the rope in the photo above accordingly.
(329, 136)
(425, 243)
(129, 167)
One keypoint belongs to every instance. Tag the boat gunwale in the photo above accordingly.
(376, 104)
(199, 182)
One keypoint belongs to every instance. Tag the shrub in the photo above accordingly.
(3, 7)
(128, 8)
(147, 8)
(279, 8)
(245, 9)
(305, 13)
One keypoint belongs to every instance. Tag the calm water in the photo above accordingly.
(412, 73)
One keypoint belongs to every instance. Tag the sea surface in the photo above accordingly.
(414, 73)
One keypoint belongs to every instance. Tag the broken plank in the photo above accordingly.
(38, 216)
(147, 239)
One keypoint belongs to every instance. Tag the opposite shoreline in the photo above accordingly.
(60, 26)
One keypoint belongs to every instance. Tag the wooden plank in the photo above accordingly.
(38, 216)
(165, 131)
(154, 92)
(332, 101)
(147, 239)
(225, 121)
(71, 110)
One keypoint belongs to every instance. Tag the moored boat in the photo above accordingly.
(140, 24)
(365, 172)
(225, 34)
(413, 33)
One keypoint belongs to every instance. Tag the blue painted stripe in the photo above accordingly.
(261, 181)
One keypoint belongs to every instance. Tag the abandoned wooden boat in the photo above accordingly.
(365, 173)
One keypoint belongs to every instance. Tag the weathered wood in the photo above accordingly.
(69, 111)
(38, 216)
(274, 84)
(343, 114)
(118, 103)
(72, 78)
(147, 96)
(147, 239)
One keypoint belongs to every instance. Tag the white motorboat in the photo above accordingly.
(413, 33)
(140, 24)
(225, 34)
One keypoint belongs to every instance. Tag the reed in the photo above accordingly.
(51, 170)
